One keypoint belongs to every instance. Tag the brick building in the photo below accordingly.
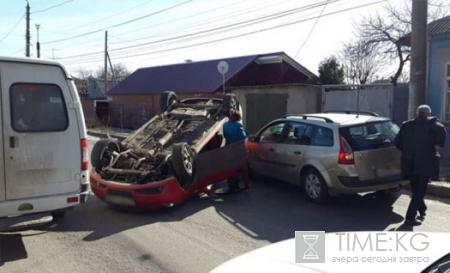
(136, 99)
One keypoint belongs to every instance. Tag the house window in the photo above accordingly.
(143, 111)
(121, 111)
(447, 94)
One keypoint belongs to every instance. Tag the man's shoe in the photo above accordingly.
(412, 222)
(421, 216)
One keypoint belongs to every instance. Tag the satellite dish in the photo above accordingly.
(222, 67)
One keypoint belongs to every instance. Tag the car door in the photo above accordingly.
(295, 146)
(41, 138)
(266, 150)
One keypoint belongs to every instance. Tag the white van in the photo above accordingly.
(43, 146)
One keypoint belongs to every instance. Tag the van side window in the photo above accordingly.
(38, 108)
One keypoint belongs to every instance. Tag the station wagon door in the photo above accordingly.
(41, 140)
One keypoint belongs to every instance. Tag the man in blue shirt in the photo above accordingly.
(233, 132)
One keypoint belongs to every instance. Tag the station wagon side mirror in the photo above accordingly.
(253, 138)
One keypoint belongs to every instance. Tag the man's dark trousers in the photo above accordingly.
(419, 185)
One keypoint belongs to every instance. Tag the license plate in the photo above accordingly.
(120, 200)
(388, 171)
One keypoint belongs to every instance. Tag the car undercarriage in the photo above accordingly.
(167, 144)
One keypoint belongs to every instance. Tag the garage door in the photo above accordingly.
(262, 109)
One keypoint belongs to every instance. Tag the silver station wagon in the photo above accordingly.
(329, 154)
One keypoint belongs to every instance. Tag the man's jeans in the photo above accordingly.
(419, 189)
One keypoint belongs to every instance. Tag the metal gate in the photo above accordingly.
(383, 99)
(262, 109)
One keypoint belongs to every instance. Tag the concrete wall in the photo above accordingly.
(300, 99)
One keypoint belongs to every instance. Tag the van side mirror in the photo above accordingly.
(253, 138)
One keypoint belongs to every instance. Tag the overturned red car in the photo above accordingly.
(175, 155)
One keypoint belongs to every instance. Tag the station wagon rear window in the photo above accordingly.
(38, 108)
(371, 135)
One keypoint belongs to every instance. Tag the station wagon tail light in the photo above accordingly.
(346, 156)
(84, 155)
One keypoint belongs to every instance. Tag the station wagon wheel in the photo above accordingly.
(230, 104)
(183, 161)
(314, 186)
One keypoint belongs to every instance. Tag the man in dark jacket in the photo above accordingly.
(419, 141)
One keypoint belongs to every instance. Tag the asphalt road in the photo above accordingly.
(199, 234)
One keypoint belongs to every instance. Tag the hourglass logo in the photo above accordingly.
(310, 246)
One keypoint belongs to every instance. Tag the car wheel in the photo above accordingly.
(183, 161)
(102, 152)
(58, 216)
(315, 187)
(230, 104)
(168, 98)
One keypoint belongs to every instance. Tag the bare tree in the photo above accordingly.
(81, 82)
(120, 72)
(361, 62)
(387, 31)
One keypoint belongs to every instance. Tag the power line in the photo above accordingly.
(15, 52)
(235, 25)
(52, 7)
(178, 30)
(226, 16)
(311, 31)
(121, 24)
(115, 14)
(239, 35)
(12, 29)
(167, 22)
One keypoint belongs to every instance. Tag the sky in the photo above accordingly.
(144, 33)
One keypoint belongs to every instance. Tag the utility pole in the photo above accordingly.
(38, 45)
(27, 33)
(418, 84)
(112, 69)
(106, 61)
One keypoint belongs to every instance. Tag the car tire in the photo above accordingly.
(229, 105)
(59, 215)
(314, 186)
(167, 99)
(98, 152)
(183, 161)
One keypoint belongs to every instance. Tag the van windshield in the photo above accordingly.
(370, 136)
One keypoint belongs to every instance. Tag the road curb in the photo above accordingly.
(437, 189)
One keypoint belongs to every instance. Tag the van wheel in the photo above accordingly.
(102, 153)
(58, 216)
(168, 98)
(183, 161)
(230, 104)
(315, 187)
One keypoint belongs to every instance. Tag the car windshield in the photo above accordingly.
(370, 135)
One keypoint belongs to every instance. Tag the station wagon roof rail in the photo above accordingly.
(305, 117)
(352, 112)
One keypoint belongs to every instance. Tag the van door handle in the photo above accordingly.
(271, 150)
(13, 142)
(297, 152)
